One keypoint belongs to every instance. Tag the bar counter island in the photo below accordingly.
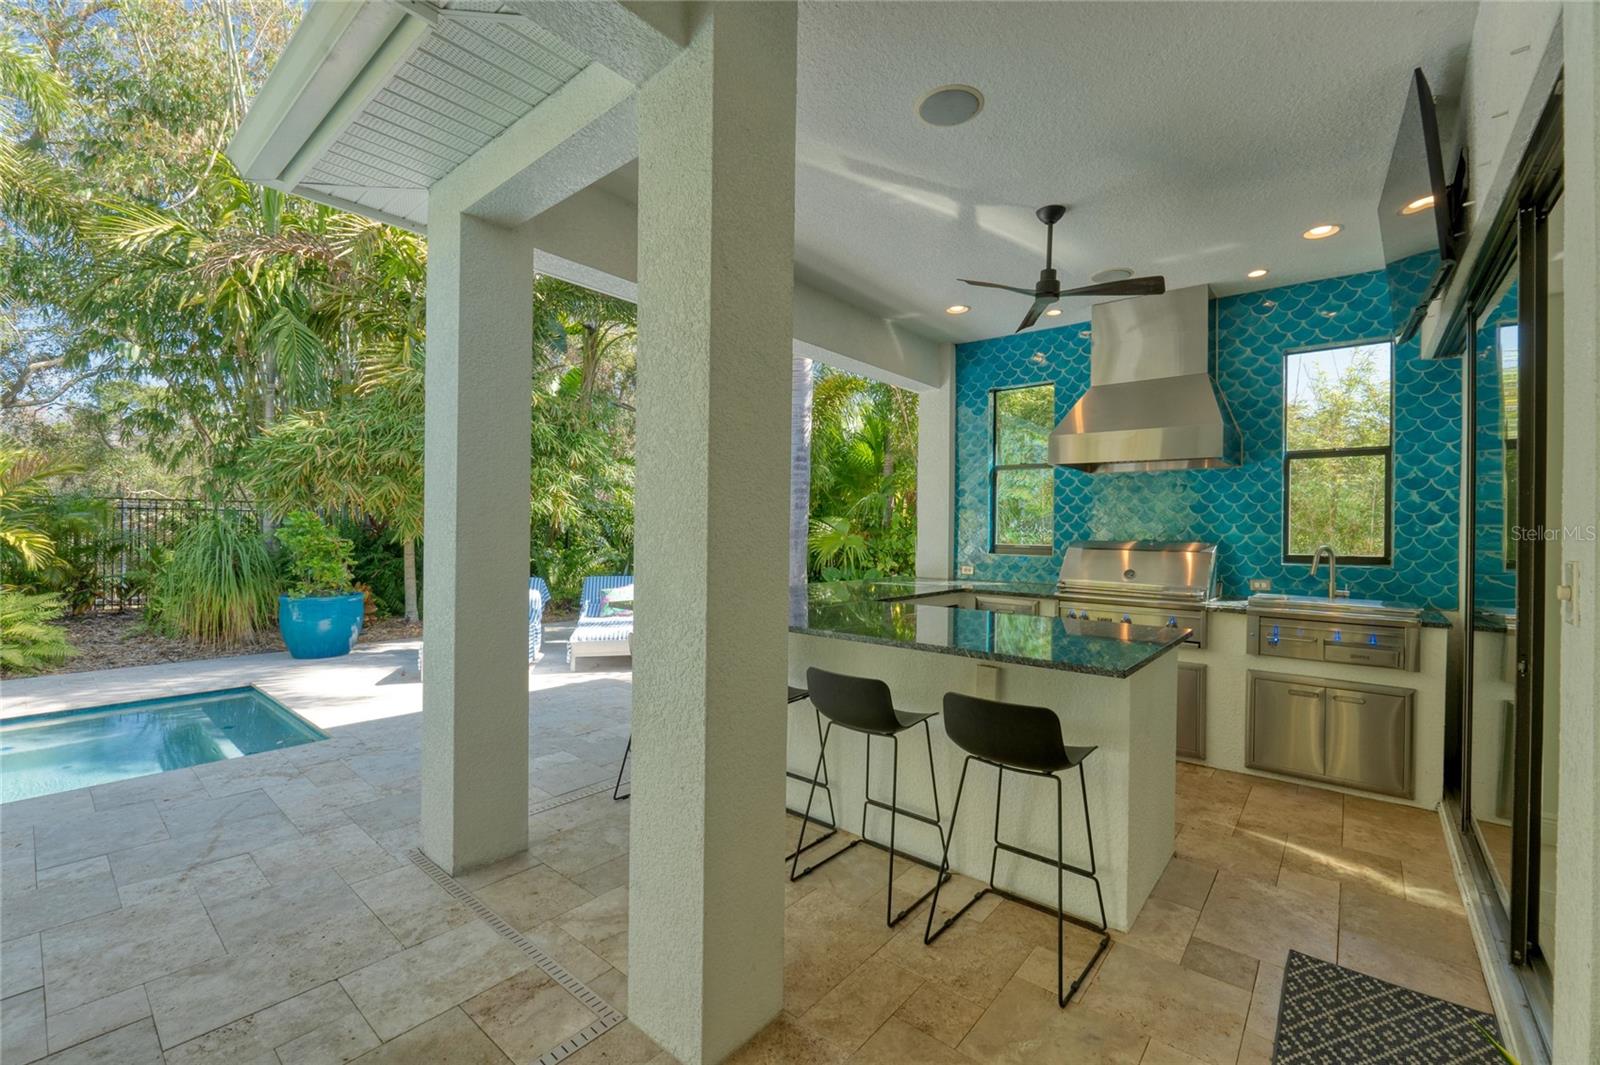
(1112, 685)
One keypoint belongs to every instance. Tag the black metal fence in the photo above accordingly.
(139, 532)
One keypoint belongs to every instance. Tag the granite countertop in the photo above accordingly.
(1489, 619)
(889, 613)
(1431, 618)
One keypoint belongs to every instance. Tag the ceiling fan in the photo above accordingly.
(1048, 290)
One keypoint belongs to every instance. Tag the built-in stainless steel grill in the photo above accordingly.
(1146, 582)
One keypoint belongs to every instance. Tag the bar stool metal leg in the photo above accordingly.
(832, 824)
(617, 787)
(893, 807)
(1064, 992)
(800, 846)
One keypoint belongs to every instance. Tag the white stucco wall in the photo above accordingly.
(1577, 976)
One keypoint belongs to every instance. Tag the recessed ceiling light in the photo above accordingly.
(1085, 333)
(1038, 358)
(1258, 272)
(1417, 206)
(1053, 312)
(1115, 273)
(1322, 231)
(950, 105)
(957, 308)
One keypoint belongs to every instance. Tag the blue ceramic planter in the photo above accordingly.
(323, 626)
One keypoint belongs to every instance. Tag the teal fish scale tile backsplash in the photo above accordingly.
(1240, 508)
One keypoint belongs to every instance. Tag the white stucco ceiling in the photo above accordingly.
(1192, 139)
(1197, 140)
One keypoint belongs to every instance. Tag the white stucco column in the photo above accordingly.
(716, 249)
(936, 473)
(1577, 932)
(475, 568)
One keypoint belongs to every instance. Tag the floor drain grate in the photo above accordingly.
(607, 1016)
(571, 796)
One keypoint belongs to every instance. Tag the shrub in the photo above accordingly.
(219, 584)
(29, 642)
(317, 560)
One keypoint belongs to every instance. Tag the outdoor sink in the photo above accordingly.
(1334, 608)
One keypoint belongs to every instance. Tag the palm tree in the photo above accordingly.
(25, 505)
(800, 403)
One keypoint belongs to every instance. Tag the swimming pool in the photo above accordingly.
(47, 753)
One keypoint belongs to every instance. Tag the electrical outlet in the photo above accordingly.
(966, 571)
(1260, 584)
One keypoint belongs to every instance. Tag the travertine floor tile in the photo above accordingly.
(134, 1044)
(1026, 1024)
(71, 1027)
(64, 894)
(533, 896)
(448, 1039)
(22, 1027)
(784, 1042)
(1281, 809)
(898, 1042)
(527, 1014)
(1185, 882)
(405, 989)
(1186, 1010)
(1243, 853)
(102, 955)
(940, 1012)
(20, 967)
(849, 1014)
(411, 905)
(1266, 921)
(1162, 928)
(259, 1034)
(221, 990)
(1226, 965)
(71, 839)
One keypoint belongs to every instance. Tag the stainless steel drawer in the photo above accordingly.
(1285, 646)
(1361, 655)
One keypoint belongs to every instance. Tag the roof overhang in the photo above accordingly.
(376, 106)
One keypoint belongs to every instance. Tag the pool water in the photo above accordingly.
(48, 753)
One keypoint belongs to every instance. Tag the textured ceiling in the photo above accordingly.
(1197, 140)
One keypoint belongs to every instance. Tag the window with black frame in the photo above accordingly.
(1021, 479)
(1338, 457)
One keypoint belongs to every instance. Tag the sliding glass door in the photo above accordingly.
(1511, 701)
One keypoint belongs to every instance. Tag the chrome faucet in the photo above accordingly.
(1333, 562)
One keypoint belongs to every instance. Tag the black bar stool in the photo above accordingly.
(832, 823)
(1026, 740)
(861, 704)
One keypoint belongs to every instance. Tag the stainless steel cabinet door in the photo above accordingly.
(1191, 710)
(1369, 740)
(1287, 727)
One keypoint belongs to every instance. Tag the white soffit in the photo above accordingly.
(467, 81)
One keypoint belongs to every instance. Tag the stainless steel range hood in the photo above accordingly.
(1152, 402)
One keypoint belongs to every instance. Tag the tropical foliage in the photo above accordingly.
(863, 478)
(220, 586)
(168, 328)
(1338, 401)
(316, 560)
(32, 643)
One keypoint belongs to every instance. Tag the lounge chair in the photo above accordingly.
(598, 635)
(538, 599)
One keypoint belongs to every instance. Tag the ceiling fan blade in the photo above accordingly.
(1038, 308)
(996, 284)
(1133, 286)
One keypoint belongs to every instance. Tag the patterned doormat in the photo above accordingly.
(1330, 1015)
